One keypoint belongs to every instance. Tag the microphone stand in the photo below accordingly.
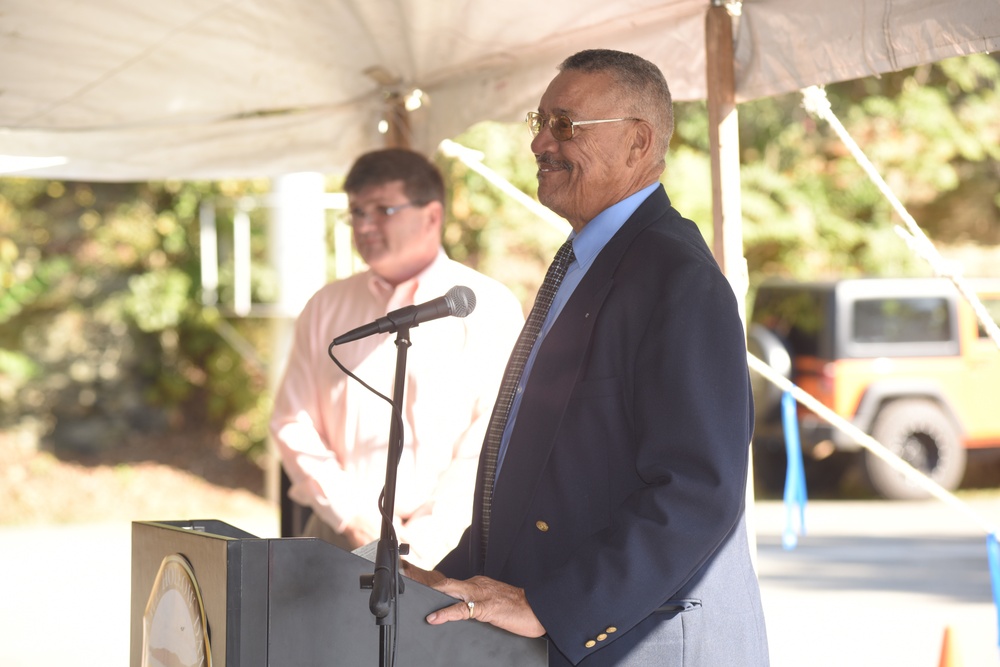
(385, 583)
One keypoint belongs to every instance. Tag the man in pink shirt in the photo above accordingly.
(332, 433)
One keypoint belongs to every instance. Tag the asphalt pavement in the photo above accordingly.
(871, 583)
(877, 583)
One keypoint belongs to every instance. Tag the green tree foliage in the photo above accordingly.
(103, 333)
(932, 132)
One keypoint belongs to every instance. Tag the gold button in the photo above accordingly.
(601, 637)
(542, 526)
(611, 629)
(590, 643)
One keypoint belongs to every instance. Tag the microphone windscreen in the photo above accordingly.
(461, 300)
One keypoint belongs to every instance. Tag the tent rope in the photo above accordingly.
(797, 498)
(815, 101)
(473, 159)
(817, 104)
(866, 441)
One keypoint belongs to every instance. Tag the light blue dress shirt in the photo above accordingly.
(586, 246)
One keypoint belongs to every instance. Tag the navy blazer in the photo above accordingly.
(619, 507)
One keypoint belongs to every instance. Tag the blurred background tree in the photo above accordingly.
(810, 211)
(102, 333)
(103, 336)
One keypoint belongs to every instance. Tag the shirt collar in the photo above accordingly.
(596, 233)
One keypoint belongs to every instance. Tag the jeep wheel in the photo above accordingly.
(923, 436)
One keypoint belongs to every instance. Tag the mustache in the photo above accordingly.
(547, 160)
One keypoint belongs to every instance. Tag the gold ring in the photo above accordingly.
(472, 609)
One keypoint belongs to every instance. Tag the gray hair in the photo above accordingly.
(641, 84)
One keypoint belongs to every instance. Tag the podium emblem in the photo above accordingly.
(174, 631)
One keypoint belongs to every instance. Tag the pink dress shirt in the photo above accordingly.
(332, 433)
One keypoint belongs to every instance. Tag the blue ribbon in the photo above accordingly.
(993, 552)
(795, 476)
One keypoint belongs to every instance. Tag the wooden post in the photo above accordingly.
(724, 143)
(398, 134)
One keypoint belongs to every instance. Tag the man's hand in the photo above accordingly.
(489, 601)
(359, 532)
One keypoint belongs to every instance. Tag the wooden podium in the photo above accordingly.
(205, 592)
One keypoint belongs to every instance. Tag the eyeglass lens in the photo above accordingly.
(358, 215)
(561, 125)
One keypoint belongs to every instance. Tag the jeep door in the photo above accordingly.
(981, 393)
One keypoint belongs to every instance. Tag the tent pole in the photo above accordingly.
(398, 134)
(724, 143)
(724, 146)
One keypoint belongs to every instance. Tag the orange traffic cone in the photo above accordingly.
(950, 656)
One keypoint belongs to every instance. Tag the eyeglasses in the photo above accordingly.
(376, 213)
(561, 125)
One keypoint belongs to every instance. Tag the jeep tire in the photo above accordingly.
(920, 433)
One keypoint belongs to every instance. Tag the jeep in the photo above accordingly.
(904, 359)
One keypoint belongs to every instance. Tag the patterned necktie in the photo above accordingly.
(512, 376)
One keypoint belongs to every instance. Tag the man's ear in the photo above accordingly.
(435, 213)
(642, 140)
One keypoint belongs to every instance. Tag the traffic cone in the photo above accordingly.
(950, 656)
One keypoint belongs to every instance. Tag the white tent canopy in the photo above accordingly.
(120, 90)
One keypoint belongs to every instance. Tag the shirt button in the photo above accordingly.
(601, 637)
(611, 629)
(542, 526)
(590, 644)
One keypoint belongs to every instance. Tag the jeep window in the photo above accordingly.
(900, 326)
(901, 320)
(799, 317)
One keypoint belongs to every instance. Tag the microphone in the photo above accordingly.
(458, 301)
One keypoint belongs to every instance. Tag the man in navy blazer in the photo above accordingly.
(617, 525)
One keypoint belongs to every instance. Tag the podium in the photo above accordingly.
(205, 592)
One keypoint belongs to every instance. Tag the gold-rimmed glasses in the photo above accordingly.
(561, 125)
